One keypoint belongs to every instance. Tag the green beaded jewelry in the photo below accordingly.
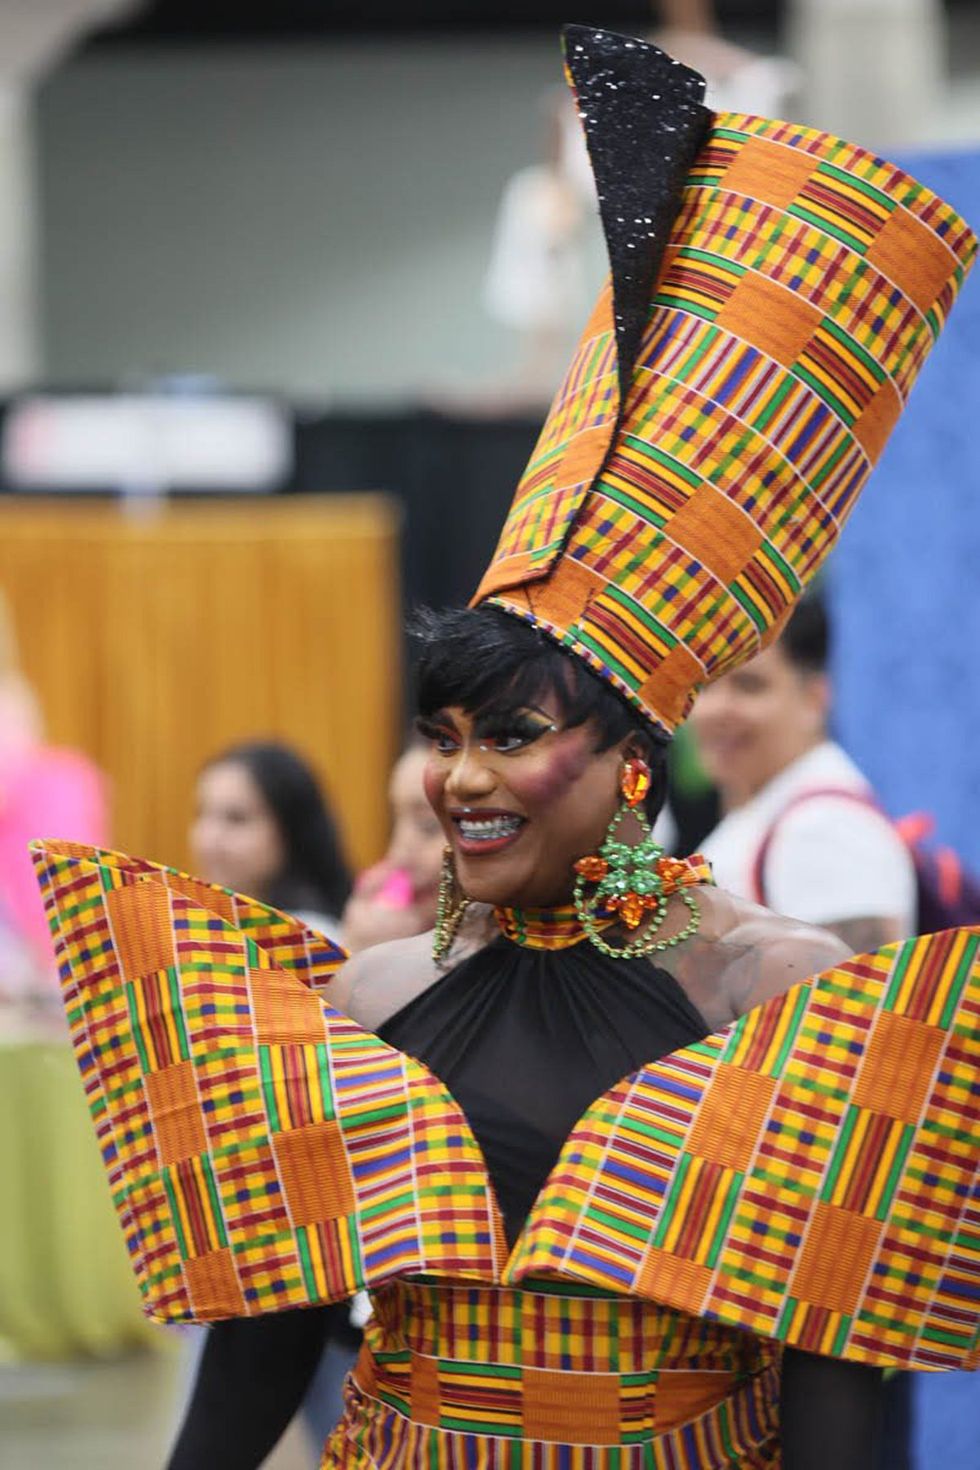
(631, 880)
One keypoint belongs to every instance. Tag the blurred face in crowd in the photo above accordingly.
(417, 840)
(234, 837)
(757, 720)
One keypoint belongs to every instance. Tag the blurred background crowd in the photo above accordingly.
(285, 288)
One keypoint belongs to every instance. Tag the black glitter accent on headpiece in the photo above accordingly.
(644, 123)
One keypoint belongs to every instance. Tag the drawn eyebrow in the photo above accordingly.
(431, 726)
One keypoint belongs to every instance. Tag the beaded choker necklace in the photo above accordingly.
(560, 928)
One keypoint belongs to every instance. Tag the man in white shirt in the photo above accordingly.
(800, 832)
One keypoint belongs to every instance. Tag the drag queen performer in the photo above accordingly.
(638, 1175)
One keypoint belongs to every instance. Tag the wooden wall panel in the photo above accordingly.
(156, 639)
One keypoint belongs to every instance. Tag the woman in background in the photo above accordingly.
(397, 897)
(263, 827)
(43, 788)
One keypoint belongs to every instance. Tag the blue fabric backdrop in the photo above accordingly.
(905, 582)
(905, 590)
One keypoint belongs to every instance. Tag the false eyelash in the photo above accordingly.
(523, 727)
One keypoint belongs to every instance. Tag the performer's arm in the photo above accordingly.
(864, 935)
(829, 1413)
(252, 1377)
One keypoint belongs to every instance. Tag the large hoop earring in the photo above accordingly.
(629, 880)
(450, 908)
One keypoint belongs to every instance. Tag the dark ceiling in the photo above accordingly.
(217, 20)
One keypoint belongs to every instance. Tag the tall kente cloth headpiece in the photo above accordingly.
(774, 293)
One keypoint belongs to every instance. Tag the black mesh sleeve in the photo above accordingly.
(830, 1413)
(251, 1379)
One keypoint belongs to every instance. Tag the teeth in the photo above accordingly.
(489, 828)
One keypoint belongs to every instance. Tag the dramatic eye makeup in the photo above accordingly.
(505, 734)
(439, 730)
(512, 732)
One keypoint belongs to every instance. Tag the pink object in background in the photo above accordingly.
(45, 791)
(397, 890)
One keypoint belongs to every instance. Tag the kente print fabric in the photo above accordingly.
(810, 1173)
(694, 473)
(552, 1378)
(263, 1152)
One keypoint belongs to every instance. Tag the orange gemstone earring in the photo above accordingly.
(630, 879)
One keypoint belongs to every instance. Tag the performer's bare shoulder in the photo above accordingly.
(377, 983)
(740, 956)
(743, 955)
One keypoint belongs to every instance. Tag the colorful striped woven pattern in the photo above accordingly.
(551, 1379)
(665, 539)
(810, 1174)
(263, 1152)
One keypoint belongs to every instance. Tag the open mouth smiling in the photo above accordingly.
(482, 831)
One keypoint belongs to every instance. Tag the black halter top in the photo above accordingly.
(525, 1039)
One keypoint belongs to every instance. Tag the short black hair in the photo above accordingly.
(489, 662)
(806, 638)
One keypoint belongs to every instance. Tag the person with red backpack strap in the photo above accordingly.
(801, 830)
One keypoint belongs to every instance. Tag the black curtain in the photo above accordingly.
(455, 479)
